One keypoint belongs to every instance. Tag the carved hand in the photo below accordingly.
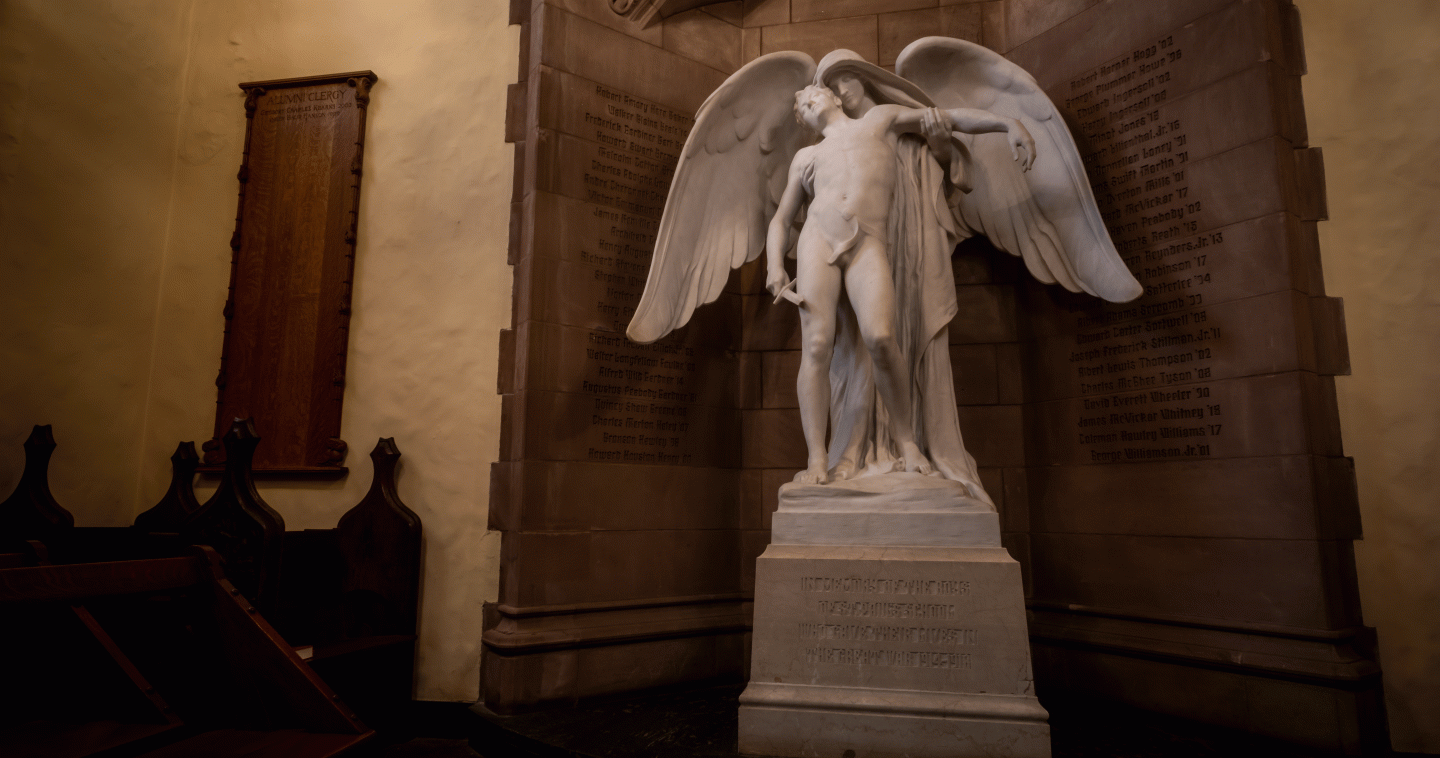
(1022, 145)
(776, 281)
(936, 127)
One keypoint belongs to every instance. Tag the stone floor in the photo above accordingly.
(701, 723)
(429, 747)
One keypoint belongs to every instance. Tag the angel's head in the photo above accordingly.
(861, 84)
(850, 88)
(813, 103)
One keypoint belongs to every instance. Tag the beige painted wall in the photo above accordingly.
(120, 134)
(88, 110)
(1373, 104)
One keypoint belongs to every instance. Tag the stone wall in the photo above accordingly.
(1147, 548)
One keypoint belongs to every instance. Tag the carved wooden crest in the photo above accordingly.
(377, 598)
(238, 523)
(31, 513)
(179, 501)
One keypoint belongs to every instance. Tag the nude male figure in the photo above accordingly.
(849, 177)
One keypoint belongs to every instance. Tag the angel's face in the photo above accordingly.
(850, 90)
(812, 105)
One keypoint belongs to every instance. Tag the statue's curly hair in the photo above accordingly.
(805, 93)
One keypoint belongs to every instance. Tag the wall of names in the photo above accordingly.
(1188, 148)
(603, 170)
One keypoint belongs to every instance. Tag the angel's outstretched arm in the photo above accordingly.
(778, 239)
(973, 121)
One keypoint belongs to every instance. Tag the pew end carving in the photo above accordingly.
(162, 649)
(31, 513)
(239, 524)
(350, 594)
(179, 502)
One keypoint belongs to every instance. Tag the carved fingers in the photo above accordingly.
(935, 125)
(777, 281)
(1022, 146)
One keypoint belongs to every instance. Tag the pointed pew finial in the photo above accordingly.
(31, 513)
(179, 501)
(239, 524)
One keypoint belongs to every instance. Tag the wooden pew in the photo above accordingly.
(161, 648)
(237, 522)
(351, 594)
(179, 502)
(49, 652)
(31, 513)
(348, 597)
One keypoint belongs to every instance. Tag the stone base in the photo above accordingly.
(904, 642)
(533, 661)
(805, 720)
(888, 509)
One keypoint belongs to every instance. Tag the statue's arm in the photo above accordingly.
(940, 139)
(969, 121)
(777, 241)
(975, 121)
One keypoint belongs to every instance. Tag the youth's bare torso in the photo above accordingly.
(852, 175)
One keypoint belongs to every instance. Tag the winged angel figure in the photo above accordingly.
(897, 169)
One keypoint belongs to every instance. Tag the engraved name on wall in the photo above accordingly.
(603, 170)
(1185, 147)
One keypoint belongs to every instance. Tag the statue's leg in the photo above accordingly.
(818, 282)
(872, 294)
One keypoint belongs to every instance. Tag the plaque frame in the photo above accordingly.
(287, 312)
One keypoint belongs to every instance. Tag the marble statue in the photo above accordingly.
(850, 177)
(896, 169)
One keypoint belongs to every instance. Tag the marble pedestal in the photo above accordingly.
(889, 622)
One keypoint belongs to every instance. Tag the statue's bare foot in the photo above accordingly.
(915, 461)
(845, 470)
(815, 474)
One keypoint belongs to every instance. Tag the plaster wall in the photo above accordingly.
(120, 135)
(1372, 103)
(89, 104)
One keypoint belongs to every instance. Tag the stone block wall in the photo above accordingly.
(1205, 554)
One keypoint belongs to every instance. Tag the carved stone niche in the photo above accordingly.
(287, 317)
(647, 13)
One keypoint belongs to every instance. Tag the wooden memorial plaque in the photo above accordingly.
(287, 316)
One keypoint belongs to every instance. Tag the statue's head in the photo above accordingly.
(813, 103)
(856, 80)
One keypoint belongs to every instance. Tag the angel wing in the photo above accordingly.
(726, 187)
(1048, 215)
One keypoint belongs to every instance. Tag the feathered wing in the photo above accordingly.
(1048, 215)
(726, 188)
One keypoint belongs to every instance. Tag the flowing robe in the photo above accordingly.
(921, 238)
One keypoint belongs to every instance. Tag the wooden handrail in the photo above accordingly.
(77, 581)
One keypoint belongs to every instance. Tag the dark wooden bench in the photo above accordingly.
(346, 598)
(154, 657)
